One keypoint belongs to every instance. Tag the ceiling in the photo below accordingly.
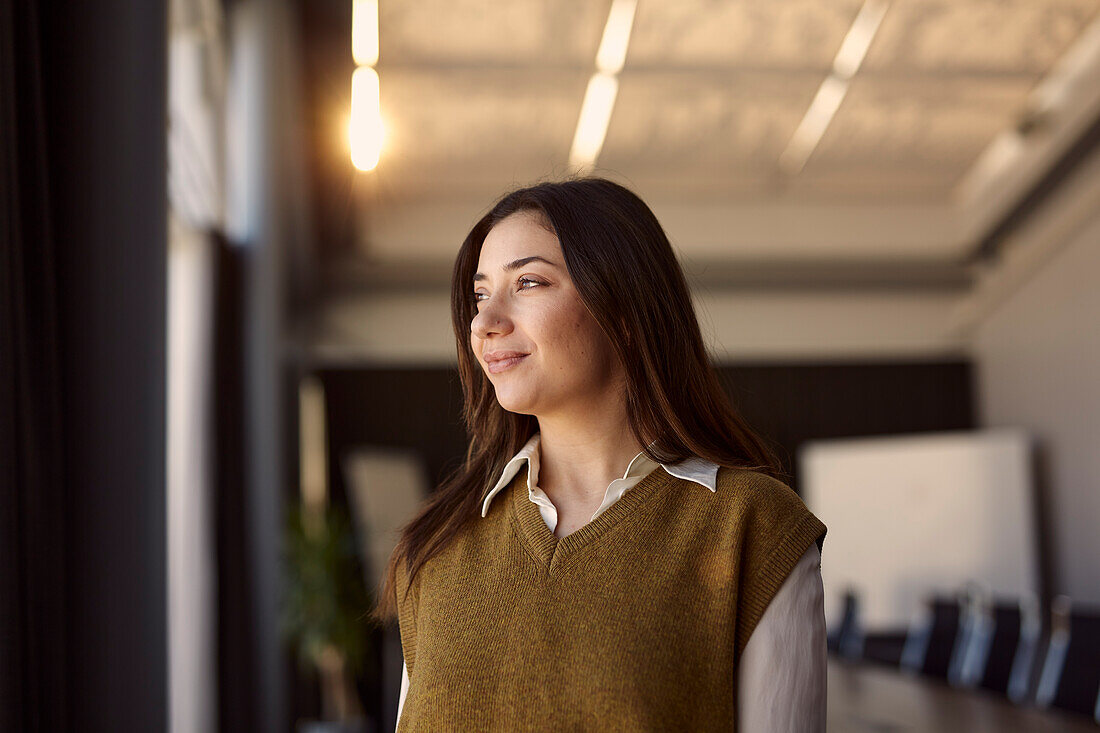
(923, 158)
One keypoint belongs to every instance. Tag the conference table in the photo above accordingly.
(863, 697)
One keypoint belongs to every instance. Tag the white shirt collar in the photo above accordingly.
(699, 470)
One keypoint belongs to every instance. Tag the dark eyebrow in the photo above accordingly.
(515, 265)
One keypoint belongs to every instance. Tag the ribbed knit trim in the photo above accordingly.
(760, 590)
(406, 617)
(548, 550)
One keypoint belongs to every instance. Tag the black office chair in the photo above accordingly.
(846, 639)
(930, 643)
(849, 640)
(884, 646)
(1020, 619)
(975, 628)
(997, 645)
(1071, 673)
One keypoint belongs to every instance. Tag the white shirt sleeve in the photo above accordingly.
(404, 691)
(781, 682)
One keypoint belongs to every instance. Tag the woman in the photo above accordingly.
(615, 553)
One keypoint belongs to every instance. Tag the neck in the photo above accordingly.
(579, 457)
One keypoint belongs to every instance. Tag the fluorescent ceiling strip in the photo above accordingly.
(1070, 85)
(599, 97)
(813, 125)
(599, 100)
(364, 32)
(828, 98)
(616, 36)
(858, 40)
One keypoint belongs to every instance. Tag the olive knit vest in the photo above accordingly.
(635, 621)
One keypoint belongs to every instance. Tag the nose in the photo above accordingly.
(491, 319)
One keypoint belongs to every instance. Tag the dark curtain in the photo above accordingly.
(32, 511)
(83, 234)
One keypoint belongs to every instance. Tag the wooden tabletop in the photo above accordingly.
(884, 700)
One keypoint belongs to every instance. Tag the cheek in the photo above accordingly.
(575, 337)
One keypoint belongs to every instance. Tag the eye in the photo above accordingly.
(532, 281)
(525, 283)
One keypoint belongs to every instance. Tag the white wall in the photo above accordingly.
(1038, 363)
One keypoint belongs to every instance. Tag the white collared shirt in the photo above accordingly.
(693, 469)
(782, 673)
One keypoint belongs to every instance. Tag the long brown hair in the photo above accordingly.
(626, 273)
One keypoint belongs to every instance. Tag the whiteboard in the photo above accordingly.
(911, 515)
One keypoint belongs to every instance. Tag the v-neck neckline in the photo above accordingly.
(548, 548)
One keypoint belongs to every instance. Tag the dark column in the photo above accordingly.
(105, 80)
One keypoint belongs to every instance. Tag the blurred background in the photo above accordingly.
(227, 369)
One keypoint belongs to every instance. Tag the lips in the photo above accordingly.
(499, 361)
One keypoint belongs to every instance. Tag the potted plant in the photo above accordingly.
(325, 612)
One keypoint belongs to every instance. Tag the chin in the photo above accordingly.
(518, 407)
(513, 402)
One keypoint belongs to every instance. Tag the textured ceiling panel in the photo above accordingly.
(481, 96)
(918, 123)
(870, 184)
(747, 33)
(535, 32)
(465, 126)
(687, 128)
(679, 186)
(991, 36)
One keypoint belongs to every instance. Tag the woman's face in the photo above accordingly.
(533, 336)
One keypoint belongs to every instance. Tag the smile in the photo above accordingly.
(499, 365)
